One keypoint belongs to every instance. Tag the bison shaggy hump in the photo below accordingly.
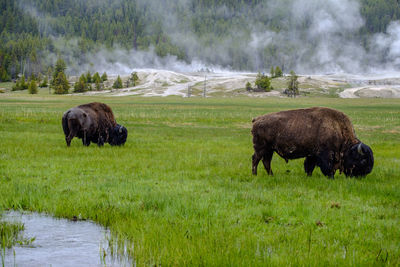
(93, 122)
(324, 136)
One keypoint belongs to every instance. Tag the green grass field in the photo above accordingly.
(181, 191)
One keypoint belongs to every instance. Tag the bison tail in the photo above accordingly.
(65, 123)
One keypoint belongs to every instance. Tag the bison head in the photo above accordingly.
(358, 160)
(118, 135)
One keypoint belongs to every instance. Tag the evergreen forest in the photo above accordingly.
(228, 33)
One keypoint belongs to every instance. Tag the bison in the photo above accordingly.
(324, 136)
(93, 122)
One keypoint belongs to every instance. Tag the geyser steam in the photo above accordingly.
(313, 36)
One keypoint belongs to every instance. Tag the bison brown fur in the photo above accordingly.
(93, 122)
(324, 137)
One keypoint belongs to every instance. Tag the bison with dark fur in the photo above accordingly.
(93, 122)
(324, 136)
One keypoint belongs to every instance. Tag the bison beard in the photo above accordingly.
(93, 122)
(325, 137)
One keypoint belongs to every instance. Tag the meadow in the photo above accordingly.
(180, 192)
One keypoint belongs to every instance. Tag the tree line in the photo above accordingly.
(28, 29)
(59, 83)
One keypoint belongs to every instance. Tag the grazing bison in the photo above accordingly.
(93, 122)
(324, 136)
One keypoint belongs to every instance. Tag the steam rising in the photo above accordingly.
(388, 46)
(121, 61)
(330, 43)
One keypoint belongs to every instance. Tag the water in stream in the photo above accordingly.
(60, 242)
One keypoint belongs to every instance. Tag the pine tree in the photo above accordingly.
(60, 83)
(59, 67)
(32, 88)
(80, 86)
(88, 77)
(104, 77)
(4, 77)
(83, 78)
(278, 72)
(272, 72)
(96, 78)
(98, 85)
(118, 83)
(134, 78)
(293, 85)
(23, 83)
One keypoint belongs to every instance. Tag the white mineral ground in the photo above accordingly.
(372, 86)
(154, 82)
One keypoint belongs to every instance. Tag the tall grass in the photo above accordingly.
(10, 234)
(180, 191)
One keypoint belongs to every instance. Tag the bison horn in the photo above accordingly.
(359, 149)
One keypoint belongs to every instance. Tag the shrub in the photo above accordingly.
(248, 87)
(263, 83)
(20, 84)
(44, 83)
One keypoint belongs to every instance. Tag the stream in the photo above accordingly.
(60, 242)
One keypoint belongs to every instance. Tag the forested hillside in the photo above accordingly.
(236, 34)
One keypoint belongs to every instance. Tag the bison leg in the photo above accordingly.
(267, 161)
(85, 139)
(256, 159)
(69, 137)
(85, 143)
(101, 141)
(325, 162)
(309, 165)
(70, 131)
